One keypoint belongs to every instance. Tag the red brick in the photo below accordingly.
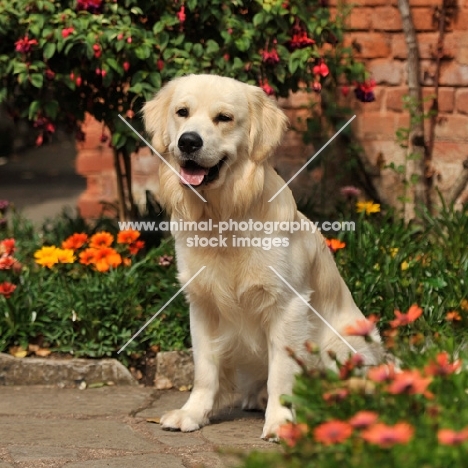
(370, 3)
(421, 3)
(395, 98)
(386, 71)
(298, 100)
(446, 99)
(386, 18)
(428, 70)
(448, 151)
(453, 74)
(423, 19)
(90, 161)
(452, 128)
(376, 126)
(427, 43)
(371, 45)
(360, 19)
(461, 101)
(93, 131)
(461, 19)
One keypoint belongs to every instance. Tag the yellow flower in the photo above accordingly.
(368, 206)
(393, 252)
(464, 305)
(404, 266)
(65, 255)
(47, 256)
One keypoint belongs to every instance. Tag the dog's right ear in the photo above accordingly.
(155, 115)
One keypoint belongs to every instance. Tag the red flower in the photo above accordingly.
(24, 45)
(267, 88)
(387, 436)
(7, 289)
(93, 6)
(362, 327)
(345, 90)
(321, 69)
(135, 247)
(355, 361)
(333, 432)
(335, 244)
(291, 433)
(409, 382)
(129, 236)
(97, 50)
(160, 64)
(299, 40)
(365, 91)
(67, 31)
(441, 366)
(317, 87)
(181, 14)
(7, 246)
(6, 262)
(101, 239)
(78, 81)
(414, 312)
(363, 419)
(270, 58)
(75, 241)
(126, 66)
(450, 437)
(385, 372)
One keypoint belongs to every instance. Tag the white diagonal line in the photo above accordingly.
(312, 158)
(161, 158)
(315, 312)
(161, 309)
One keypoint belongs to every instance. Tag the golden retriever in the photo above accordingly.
(252, 300)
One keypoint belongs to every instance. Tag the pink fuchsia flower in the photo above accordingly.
(387, 436)
(363, 419)
(67, 31)
(365, 91)
(450, 437)
(317, 87)
(414, 312)
(345, 90)
(181, 14)
(25, 44)
(291, 433)
(441, 366)
(321, 69)
(93, 6)
(300, 39)
(333, 432)
(270, 57)
(97, 50)
(267, 88)
(126, 66)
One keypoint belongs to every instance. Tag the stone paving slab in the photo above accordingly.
(48, 427)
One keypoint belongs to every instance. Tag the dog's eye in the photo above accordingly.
(223, 118)
(183, 112)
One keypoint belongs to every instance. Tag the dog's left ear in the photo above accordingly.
(267, 124)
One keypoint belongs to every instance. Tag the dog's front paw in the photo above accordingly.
(182, 420)
(273, 420)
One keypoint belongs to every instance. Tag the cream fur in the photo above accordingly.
(242, 316)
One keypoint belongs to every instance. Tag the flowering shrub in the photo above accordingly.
(59, 60)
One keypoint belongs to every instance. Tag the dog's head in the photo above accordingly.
(207, 127)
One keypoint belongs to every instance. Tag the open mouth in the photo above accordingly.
(195, 175)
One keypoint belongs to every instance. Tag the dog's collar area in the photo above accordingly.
(195, 175)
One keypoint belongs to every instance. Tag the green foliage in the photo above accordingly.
(59, 60)
(75, 309)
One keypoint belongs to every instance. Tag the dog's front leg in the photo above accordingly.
(281, 370)
(194, 414)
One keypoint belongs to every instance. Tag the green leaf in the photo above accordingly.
(37, 80)
(33, 108)
(49, 50)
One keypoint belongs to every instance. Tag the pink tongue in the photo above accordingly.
(193, 176)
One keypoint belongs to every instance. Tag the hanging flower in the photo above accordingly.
(365, 91)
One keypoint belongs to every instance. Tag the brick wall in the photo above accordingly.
(376, 28)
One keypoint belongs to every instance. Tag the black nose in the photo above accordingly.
(189, 142)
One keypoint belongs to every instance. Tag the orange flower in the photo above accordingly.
(441, 365)
(362, 327)
(335, 244)
(101, 239)
(127, 237)
(410, 382)
(7, 289)
(449, 437)
(464, 305)
(363, 419)
(385, 372)
(106, 258)
(7, 246)
(355, 361)
(453, 316)
(136, 246)
(87, 256)
(291, 433)
(333, 432)
(387, 436)
(75, 241)
(414, 312)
